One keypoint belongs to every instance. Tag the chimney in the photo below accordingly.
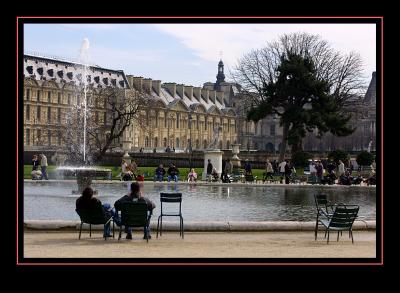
(197, 92)
(189, 91)
(147, 85)
(220, 96)
(157, 86)
(205, 93)
(171, 86)
(136, 82)
(212, 96)
(180, 88)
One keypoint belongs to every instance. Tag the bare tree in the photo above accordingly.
(111, 111)
(258, 68)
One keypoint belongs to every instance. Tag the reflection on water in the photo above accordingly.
(203, 203)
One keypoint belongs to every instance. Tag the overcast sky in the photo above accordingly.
(185, 53)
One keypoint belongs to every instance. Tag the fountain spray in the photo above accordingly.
(84, 56)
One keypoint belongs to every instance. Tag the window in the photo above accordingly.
(28, 137)
(205, 144)
(39, 136)
(49, 97)
(38, 95)
(59, 115)
(165, 142)
(28, 112)
(156, 142)
(28, 94)
(78, 100)
(49, 137)
(146, 141)
(177, 121)
(38, 113)
(197, 144)
(105, 118)
(177, 142)
(49, 114)
(59, 98)
(272, 129)
(59, 138)
(165, 120)
(69, 99)
(205, 124)
(96, 117)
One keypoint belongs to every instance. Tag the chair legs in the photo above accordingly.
(316, 230)
(327, 241)
(80, 231)
(338, 235)
(159, 226)
(90, 230)
(352, 240)
(120, 232)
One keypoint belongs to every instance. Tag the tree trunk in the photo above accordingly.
(282, 150)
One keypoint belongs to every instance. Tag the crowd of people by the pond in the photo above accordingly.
(318, 172)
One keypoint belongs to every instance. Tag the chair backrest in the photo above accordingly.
(321, 201)
(344, 216)
(95, 216)
(171, 197)
(134, 214)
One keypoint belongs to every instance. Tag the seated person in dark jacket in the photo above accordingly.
(88, 202)
(135, 195)
(173, 173)
(159, 173)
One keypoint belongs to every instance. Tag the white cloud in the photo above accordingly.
(206, 40)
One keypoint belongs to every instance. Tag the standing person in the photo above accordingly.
(209, 168)
(341, 169)
(268, 170)
(319, 169)
(247, 168)
(135, 195)
(228, 170)
(282, 168)
(126, 174)
(313, 171)
(288, 172)
(87, 202)
(43, 166)
(173, 173)
(159, 173)
(223, 170)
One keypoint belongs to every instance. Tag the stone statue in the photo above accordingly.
(216, 137)
(369, 146)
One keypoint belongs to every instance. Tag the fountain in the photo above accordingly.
(84, 174)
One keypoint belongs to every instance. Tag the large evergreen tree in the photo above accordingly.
(303, 102)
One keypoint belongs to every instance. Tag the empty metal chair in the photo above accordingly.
(171, 198)
(342, 220)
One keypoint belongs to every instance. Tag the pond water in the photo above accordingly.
(48, 201)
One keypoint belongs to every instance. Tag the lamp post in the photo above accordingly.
(190, 139)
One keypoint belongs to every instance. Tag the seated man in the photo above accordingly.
(173, 173)
(87, 201)
(136, 195)
(192, 176)
(159, 173)
(126, 174)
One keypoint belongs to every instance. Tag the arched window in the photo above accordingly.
(205, 143)
(177, 120)
(156, 142)
(165, 142)
(177, 142)
(228, 144)
(256, 146)
(197, 144)
(220, 144)
(146, 141)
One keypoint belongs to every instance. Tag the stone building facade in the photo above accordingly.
(177, 115)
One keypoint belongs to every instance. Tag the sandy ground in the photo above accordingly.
(65, 244)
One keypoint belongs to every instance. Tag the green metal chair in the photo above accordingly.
(341, 220)
(95, 216)
(134, 214)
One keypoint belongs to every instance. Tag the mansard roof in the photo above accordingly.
(61, 71)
